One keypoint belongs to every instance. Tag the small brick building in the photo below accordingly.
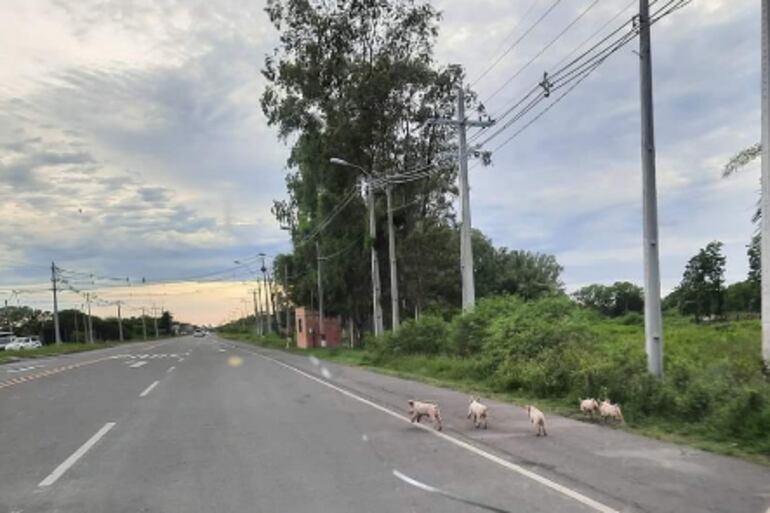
(308, 333)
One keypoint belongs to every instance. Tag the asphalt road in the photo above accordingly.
(204, 425)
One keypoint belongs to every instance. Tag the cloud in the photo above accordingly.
(131, 139)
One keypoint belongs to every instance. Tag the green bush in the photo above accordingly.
(632, 319)
(426, 335)
(469, 330)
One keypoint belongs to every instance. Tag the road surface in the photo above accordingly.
(206, 425)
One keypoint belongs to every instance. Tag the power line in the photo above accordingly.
(549, 107)
(545, 48)
(519, 40)
(513, 31)
(577, 70)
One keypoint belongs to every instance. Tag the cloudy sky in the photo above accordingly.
(132, 143)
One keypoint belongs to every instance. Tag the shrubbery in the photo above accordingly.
(714, 383)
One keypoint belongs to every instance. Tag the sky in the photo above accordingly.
(132, 145)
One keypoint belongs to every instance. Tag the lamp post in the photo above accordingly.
(376, 291)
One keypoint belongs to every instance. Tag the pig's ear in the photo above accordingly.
(411, 403)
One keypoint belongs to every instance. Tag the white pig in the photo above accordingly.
(538, 419)
(607, 409)
(420, 409)
(478, 412)
(589, 406)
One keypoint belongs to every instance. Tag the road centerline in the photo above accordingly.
(75, 456)
(149, 389)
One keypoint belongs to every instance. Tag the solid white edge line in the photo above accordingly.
(66, 464)
(572, 494)
(415, 483)
(149, 389)
(171, 369)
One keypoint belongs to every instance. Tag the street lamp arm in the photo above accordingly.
(342, 162)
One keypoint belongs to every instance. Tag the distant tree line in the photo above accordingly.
(25, 321)
(701, 293)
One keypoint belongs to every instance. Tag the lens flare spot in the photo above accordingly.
(234, 361)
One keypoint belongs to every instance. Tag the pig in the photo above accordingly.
(589, 406)
(420, 409)
(609, 410)
(478, 412)
(538, 419)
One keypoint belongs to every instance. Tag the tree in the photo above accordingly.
(527, 274)
(746, 296)
(742, 296)
(754, 252)
(614, 300)
(702, 286)
(596, 297)
(165, 322)
(739, 161)
(355, 79)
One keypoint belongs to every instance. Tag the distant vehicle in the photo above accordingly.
(17, 344)
(199, 333)
(33, 343)
(6, 337)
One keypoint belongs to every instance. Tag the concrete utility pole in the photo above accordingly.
(89, 320)
(76, 324)
(155, 320)
(7, 316)
(377, 326)
(376, 288)
(261, 310)
(286, 296)
(273, 312)
(120, 324)
(765, 226)
(394, 304)
(653, 322)
(321, 323)
(267, 299)
(256, 311)
(144, 325)
(57, 333)
(466, 248)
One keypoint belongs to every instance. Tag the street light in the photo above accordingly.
(345, 163)
(376, 295)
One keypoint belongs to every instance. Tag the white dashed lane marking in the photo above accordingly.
(148, 389)
(61, 469)
(138, 364)
(171, 368)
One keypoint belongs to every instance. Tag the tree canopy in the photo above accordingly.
(701, 291)
(613, 300)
